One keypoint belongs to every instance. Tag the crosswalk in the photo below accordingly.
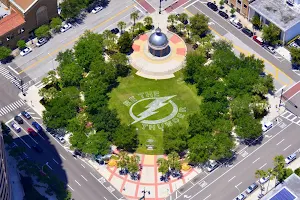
(16, 81)
(291, 117)
(12, 106)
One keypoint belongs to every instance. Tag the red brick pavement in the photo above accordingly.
(175, 5)
(292, 90)
(146, 6)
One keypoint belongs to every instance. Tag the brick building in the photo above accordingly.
(19, 18)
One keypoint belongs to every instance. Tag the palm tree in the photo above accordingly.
(123, 161)
(180, 27)
(271, 175)
(174, 161)
(134, 16)
(183, 17)
(279, 165)
(172, 19)
(260, 174)
(163, 166)
(139, 26)
(121, 25)
(148, 21)
(133, 165)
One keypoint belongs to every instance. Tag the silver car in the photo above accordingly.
(65, 27)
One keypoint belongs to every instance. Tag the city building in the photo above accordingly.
(5, 188)
(285, 14)
(289, 189)
(19, 18)
(241, 6)
(158, 44)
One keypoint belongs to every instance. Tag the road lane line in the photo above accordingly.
(231, 179)
(22, 140)
(34, 128)
(62, 156)
(93, 175)
(70, 187)
(82, 165)
(255, 160)
(28, 135)
(207, 197)
(280, 142)
(54, 160)
(280, 89)
(287, 147)
(262, 166)
(77, 183)
(105, 198)
(235, 164)
(84, 178)
(12, 69)
(238, 184)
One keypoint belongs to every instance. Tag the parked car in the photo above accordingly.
(258, 40)
(65, 27)
(240, 197)
(264, 179)
(37, 126)
(26, 115)
(223, 14)
(15, 126)
(41, 42)
(19, 119)
(97, 9)
(290, 158)
(37, 148)
(61, 140)
(211, 165)
(266, 126)
(212, 6)
(251, 188)
(115, 30)
(235, 22)
(270, 49)
(31, 132)
(25, 51)
(247, 32)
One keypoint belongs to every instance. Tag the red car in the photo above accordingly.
(258, 40)
(31, 132)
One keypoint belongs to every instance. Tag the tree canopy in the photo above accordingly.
(271, 34)
(175, 139)
(199, 24)
(97, 144)
(4, 52)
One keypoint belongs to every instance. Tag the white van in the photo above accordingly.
(267, 126)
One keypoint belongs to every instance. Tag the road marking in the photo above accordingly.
(262, 166)
(33, 129)
(70, 187)
(280, 89)
(54, 160)
(93, 175)
(238, 184)
(191, 4)
(236, 163)
(186, 196)
(231, 179)
(62, 156)
(287, 147)
(105, 198)
(82, 165)
(84, 178)
(49, 166)
(207, 197)
(22, 140)
(12, 69)
(280, 142)
(255, 160)
(77, 183)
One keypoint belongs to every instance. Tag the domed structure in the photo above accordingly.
(158, 44)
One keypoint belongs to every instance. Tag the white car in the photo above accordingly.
(61, 140)
(97, 9)
(270, 49)
(65, 27)
(240, 197)
(25, 51)
(235, 22)
(290, 158)
(16, 127)
(211, 165)
(267, 126)
(264, 179)
(41, 42)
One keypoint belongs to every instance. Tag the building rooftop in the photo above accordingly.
(23, 5)
(158, 38)
(10, 22)
(288, 190)
(278, 12)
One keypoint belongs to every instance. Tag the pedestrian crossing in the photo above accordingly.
(13, 79)
(291, 117)
(12, 106)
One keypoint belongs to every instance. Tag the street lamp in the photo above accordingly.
(159, 7)
(144, 194)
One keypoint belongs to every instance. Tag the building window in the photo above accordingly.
(245, 6)
(21, 30)
(239, 1)
(231, 5)
(238, 10)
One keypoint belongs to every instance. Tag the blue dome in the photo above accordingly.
(158, 38)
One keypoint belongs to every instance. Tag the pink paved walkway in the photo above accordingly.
(146, 6)
(175, 5)
(292, 90)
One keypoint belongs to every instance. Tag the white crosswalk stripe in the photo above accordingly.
(16, 81)
(291, 117)
(10, 107)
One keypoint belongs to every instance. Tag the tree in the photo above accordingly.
(102, 72)
(163, 166)
(148, 21)
(21, 44)
(66, 57)
(71, 75)
(139, 26)
(134, 16)
(279, 166)
(271, 34)
(200, 147)
(224, 145)
(97, 144)
(121, 25)
(199, 24)
(183, 17)
(133, 166)
(295, 54)
(109, 40)
(179, 28)
(48, 94)
(120, 62)
(71, 8)
(221, 3)
(88, 48)
(248, 128)
(123, 161)
(260, 174)
(42, 31)
(199, 123)
(232, 11)
(78, 130)
(256, 21)
(125, 137)
(194, 61)
(125, 43)
(4, 52)
(240, 106)
(172, 19)
(175, 139)
(56, 23)
(297, 171)
(105, 119)
(174, 161)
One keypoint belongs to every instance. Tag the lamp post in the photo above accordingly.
(159, 7)
(144, 194)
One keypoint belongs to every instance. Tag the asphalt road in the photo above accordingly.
(80, 177)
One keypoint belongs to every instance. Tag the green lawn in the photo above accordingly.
(134, 88)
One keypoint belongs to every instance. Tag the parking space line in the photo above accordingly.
(262, 166)
(255, 160)
(28, 135)
(62, 156)
(231, 179)
(84, 178)
(82, 165)
(280, 142)
(70, 187)
(77, 183)
(207, 197)
(54, 160)
(21, 139)
(287, 147)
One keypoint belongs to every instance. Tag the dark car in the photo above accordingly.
(37, 148)
(247, 32)
(26, 115)
(223, 14)
(37, 126)
(212, 6)
(115, 30)
(19, 119)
